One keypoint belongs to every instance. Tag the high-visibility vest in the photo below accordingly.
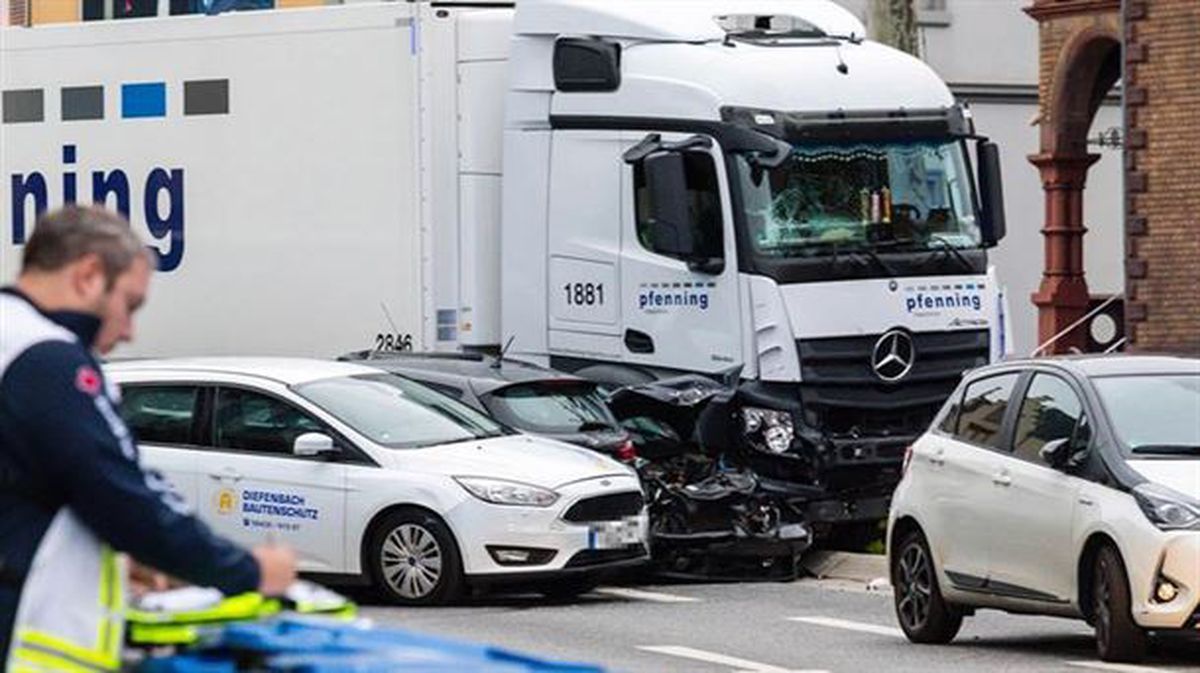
(71, 615)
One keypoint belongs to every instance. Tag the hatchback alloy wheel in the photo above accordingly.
(914, 590)
(924, 615)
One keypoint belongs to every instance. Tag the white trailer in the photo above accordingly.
(628, 189)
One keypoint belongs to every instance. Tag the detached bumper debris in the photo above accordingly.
(711, 515)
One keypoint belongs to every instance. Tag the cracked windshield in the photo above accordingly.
(829, 198)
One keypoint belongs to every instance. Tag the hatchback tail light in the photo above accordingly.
(627, 452)
(908, 456)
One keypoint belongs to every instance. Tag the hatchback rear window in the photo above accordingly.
(551, 407)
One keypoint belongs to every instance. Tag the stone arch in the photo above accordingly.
(1081, 61)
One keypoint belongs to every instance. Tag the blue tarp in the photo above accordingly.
(307, 645)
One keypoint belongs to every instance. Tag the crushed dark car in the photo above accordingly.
(712, 514)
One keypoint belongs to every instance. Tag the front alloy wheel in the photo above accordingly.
(923, 615)
(1118, 637)
(414, 560)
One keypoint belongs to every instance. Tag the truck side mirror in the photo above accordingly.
(670, 226)
(991, 191)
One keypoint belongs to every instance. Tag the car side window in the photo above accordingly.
(1051, 410)
(981, 416)
(160, 414)
(950, 420)
(249, 421)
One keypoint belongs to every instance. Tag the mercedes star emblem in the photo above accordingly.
(893, 356)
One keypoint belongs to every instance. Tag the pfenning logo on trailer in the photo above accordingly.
(155, 200)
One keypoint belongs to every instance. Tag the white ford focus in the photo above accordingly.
(371, 476)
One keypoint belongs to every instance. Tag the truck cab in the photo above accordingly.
(754, 192)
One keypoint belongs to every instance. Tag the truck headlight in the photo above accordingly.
(502, 492)
(1167, 509)
(769, 430)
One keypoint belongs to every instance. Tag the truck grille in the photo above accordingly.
(843, 396)
(612, 507)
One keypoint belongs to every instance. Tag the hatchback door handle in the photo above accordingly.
(1002, 479)
(226, 474)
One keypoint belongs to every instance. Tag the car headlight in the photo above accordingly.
(768, 430)
(1167, 509)
(502, 492)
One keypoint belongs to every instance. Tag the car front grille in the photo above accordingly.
(613, 507)
(842, 394)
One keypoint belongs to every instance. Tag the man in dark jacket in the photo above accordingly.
(63, 448)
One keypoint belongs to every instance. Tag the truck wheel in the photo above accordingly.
(413, 559)
(925, 617)
(1118, 637)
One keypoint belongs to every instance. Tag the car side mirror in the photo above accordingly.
(991, 192)
(313, 444)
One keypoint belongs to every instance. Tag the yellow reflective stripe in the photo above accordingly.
(110, 629)
(163, 634)
(105, 661)
(31, 659)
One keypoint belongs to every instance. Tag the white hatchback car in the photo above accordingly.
(1065, 487)
(369, 475)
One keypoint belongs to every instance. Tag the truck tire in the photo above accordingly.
(1118, 637)
(413, 559)
(924, 616)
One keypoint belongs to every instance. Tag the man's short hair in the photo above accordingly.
(63, 236)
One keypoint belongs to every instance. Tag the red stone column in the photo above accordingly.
(1063, 296)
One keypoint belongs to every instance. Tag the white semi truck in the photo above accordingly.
(626, 189)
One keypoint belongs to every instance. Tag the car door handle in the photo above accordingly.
(938, 457)
(226, 474)
(1086, 502)
(1002, 479)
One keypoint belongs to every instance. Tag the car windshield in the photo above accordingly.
(1154, 415)
(397, 413)
(833, 197)
(551, 407)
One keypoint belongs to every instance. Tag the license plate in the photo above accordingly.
(614, 534)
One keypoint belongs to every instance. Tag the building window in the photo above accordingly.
(933, 12)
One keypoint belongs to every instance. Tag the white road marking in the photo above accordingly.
(740, 665)
(850, 626)
(639, 595)
(1117, 668)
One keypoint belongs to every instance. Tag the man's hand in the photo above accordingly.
(144, 579)
(276, 567)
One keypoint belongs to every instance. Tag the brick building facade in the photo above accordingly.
(1153, 48)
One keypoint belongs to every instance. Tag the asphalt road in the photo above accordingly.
(805, 626)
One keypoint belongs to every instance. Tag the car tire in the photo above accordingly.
(568, 589)
(924, 616)
(413, 559)
(1118, 637)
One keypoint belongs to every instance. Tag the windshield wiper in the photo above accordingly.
(953, 250)
(592, 426)
(858, 252)
(1167, 449)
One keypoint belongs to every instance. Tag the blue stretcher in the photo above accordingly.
(314, 645)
